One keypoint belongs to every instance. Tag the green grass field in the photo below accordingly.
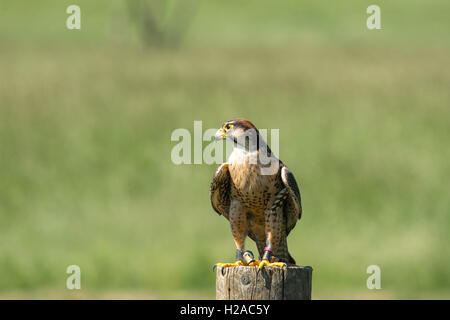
(86, 118)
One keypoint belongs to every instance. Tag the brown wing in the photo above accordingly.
(293, 206)
(219, 191)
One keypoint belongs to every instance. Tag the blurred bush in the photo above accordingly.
(161, 23)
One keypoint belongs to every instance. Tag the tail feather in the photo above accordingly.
(291, 260)
(283, 252)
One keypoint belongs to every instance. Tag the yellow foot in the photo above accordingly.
(228, 265)
(266, 263)
(254, 263)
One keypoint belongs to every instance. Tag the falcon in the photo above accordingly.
(257, 194)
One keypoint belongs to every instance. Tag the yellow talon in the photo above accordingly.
(263, 263)
(278, 264)
(227, 265)
(266, 263)
(254, 263)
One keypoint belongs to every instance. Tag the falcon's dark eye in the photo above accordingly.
(228, 126)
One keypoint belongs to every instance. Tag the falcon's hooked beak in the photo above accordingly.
(220, 135)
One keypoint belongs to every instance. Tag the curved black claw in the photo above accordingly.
(222, 270)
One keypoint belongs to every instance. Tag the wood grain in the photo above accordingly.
(271, 283)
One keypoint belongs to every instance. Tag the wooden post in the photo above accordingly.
(271, 283)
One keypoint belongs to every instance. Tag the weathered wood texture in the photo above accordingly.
(271, 283)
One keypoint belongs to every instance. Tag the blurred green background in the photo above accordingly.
(86, 117)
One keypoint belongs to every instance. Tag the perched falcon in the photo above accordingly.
(258, 194)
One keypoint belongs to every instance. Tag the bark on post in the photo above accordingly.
(271, 283)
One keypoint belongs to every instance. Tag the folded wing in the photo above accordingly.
(293, 206)
(219, 191)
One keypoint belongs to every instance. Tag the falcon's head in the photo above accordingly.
(241, 132)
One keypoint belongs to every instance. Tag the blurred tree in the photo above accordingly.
(161, 23)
